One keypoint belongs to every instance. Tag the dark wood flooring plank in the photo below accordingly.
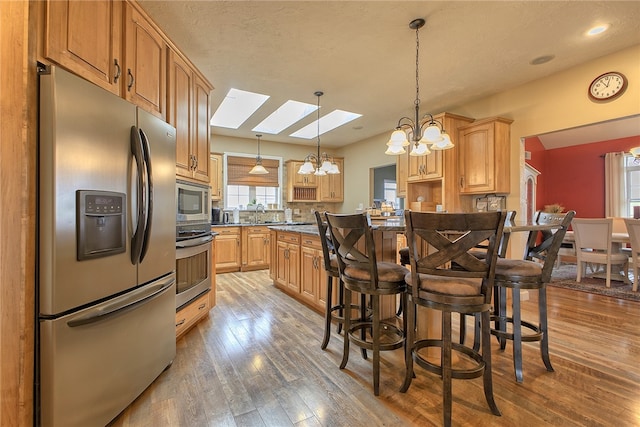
(256, 360)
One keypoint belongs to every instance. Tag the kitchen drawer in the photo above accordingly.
(256, 229)
(289, 237)
(311, 242)
(189, 316)
(226, 230)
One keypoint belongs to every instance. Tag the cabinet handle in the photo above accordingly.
(461, 181)
(203, 305)
(131, 79)
(180, 323)
(117, 68)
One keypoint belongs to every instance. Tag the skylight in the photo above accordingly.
(237, 107)
(288, 113)
(329, 122)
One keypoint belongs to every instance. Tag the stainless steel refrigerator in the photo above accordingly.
(106, 252)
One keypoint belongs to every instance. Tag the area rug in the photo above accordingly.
(565, 277)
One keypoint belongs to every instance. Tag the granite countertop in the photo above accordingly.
(266, 224)
(378, 225)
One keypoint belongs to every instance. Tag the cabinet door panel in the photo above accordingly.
(179, 111)
(85, 37)
(145, 63)
(200, 143)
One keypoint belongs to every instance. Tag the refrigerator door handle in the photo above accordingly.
(147, 163)
(102, 313)
(138, 236)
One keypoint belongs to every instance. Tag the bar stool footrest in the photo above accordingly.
(385, 329)
(536, 336)
(340, 319)
(456, 373)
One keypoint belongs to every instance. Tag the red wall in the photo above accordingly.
(574, 176)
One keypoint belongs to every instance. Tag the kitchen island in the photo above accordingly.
(297, 265)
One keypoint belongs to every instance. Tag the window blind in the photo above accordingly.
(238, 172)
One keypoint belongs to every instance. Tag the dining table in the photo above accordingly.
(619, 242)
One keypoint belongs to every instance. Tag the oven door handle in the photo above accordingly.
(129, 304)
(188, 243)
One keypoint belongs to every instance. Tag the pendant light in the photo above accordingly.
(258, 169)
(324, 164)
(423, 131)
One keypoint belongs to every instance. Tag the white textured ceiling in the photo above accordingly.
(362, 53)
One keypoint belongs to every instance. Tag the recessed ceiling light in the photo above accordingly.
(597, 30)
(331, 121)
(237, 107)
(286, 115)
(541, 59)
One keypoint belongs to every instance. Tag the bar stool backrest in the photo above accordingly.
(353, 244)
(327, 245)
(451, 236)
(547, 249)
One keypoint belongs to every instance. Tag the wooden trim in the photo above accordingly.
(17, 222)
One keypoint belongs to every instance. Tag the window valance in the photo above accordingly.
(238, 172)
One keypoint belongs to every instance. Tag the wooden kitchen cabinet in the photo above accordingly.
(311, 269)
(332, 185)
(85, 37)
(273, 244)
(483, 156)
(256, 248)
(288, 262)
(192, 313)
(402, 174)
(300, 188)
(145, 63)
(215, 176)
(188, 112)
(422, 168)
(228, 249)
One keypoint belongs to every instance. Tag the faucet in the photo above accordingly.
(260, 207)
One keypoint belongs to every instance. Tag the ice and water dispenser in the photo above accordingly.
(101, 223)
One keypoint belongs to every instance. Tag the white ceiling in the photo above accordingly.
(362, 53)
(603, 131)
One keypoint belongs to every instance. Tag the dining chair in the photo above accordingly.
(531, 273)
(593, 246)
(333, 312)
(360, 272)
(633, 229)
(450, 279)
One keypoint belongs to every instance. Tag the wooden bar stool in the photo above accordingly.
(360, 272)
(334, 313)
(534, 272)
(452, 280)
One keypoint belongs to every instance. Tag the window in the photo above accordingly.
(242, 188)
(389, 188)
(239, 196)
(632, 184)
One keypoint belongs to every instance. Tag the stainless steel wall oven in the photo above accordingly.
(193, 268)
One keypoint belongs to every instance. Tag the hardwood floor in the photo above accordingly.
(256, 361)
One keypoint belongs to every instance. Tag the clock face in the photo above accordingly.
(607, 86)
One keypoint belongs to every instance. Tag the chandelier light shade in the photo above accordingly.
(318, 164)
(422, 134)
(258, 169)
(635, 152)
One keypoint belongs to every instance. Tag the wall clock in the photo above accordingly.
(607, 86)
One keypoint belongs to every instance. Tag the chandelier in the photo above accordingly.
(258, 169)
(635, 152)
(423, 132)
(318, 164)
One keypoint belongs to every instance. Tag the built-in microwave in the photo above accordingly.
(193, 203)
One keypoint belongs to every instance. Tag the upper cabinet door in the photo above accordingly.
(86, 38)
(179, 112)
(200, 147)
(144, 69)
